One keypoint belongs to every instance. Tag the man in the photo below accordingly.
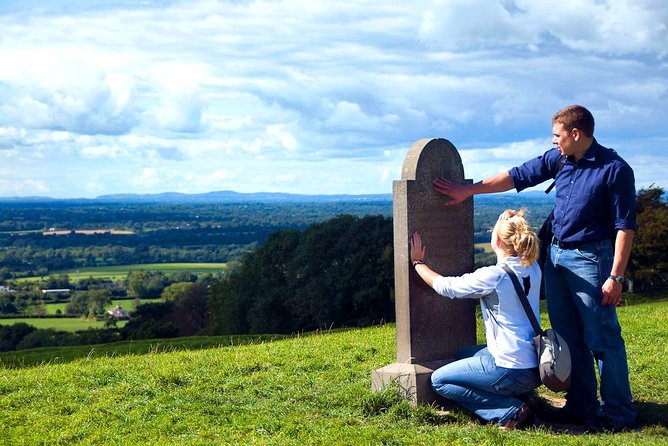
(584, 271)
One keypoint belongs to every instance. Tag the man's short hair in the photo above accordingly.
(575, 117)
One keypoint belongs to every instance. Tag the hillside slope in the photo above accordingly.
(311, 389)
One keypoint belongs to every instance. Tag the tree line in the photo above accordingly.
(648, 265)
(333, 274)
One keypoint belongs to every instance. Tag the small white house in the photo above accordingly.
(119, 313)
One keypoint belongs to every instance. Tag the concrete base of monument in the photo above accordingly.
(412, 380)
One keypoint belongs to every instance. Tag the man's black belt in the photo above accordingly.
(567, 245)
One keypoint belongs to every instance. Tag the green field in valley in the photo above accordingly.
(119, 272)
(59, 323)
(485, 246)
(72, 324)
(128, 304)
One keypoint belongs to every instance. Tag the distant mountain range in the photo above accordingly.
(208, 197)
(228, 196)
(260, 197)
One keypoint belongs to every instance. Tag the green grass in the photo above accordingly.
(311, 389)
(61, 355)
(60, 323)
(121, 271)
(72, 324)
(484, 246)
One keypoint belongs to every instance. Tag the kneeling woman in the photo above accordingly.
(487, 380)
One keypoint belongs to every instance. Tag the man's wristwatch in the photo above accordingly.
(618, 279)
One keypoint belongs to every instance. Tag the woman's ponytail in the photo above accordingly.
(517, 237)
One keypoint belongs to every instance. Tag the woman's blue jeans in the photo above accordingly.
(573, 281)
(479, 385)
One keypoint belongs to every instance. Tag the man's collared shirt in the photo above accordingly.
(595, 195)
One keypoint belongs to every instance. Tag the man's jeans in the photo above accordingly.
(573, 281)
(482, 387)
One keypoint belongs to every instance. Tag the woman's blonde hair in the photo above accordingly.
(517, 237)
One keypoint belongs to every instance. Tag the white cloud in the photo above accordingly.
(102, 151)
(286, 178)
(22, 187)
(349, 116)
(93, 188)
(284, 138)
(65, 89)
(183, 104)
(259, 95)
(9, 136)
(480, 163)
(220, 174)
(607, 26)
(149, 176)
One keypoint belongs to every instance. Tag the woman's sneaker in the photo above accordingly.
(516, 421)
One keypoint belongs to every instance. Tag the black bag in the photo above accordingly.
(554, 357)
(546, 233)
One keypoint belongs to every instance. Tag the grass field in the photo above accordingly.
(60, 355)
(305, 390)
(61, 323)
(72, 324)
(128, 304)
(485, 246)
(121, 271)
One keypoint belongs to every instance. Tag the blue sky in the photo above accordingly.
(315, 97)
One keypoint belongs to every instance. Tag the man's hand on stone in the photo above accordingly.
(456, 192)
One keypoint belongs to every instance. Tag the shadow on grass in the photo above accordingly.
(18, 359)
(58, 355)
(650, 414)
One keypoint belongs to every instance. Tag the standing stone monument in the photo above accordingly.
(430, 328)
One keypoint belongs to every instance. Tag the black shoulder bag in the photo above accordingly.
(546, 233)
(554, 357)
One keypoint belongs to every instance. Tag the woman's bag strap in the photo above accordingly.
(523, 299)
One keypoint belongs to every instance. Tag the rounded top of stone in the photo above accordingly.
(433, 158)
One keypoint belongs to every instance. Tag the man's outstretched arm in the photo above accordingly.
(460, 192)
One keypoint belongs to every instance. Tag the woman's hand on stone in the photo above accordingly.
(417, 248)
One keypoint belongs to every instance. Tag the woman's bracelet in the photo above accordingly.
(418, 262)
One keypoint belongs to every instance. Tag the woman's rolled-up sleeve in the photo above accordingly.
(472, 285)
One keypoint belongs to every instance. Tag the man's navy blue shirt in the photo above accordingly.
(595, 195)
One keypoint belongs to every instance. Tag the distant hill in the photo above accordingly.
(505, 199)
(208, 197)
(239, 197)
